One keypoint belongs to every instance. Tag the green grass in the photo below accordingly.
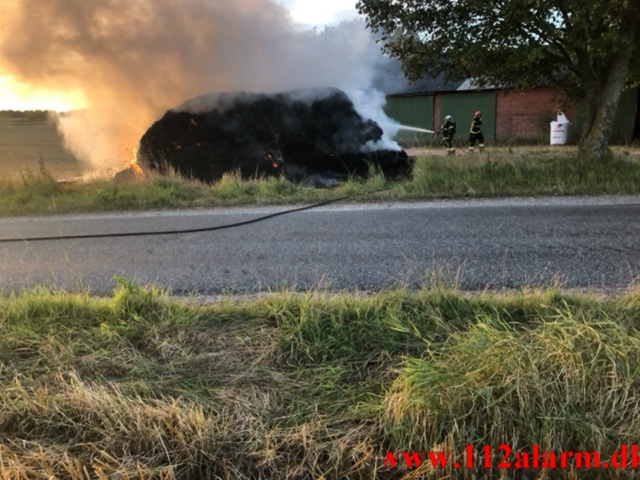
(312, 385)
(543, 172)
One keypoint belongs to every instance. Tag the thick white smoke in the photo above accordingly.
(134, 59)
(369, 104)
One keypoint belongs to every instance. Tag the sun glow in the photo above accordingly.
(20, 96)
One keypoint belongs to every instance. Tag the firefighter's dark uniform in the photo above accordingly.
(475, 134)
(448, 131)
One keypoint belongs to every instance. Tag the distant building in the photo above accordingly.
(507, 114)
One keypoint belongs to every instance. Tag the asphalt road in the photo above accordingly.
(583, 242)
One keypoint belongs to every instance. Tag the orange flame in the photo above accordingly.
(133, 165)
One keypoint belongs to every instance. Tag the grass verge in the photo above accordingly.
(311, 385)
(541, 172)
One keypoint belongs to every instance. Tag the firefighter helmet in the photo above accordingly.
(477, 114)
(448, 118)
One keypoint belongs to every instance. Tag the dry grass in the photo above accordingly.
(306, 385)
(434, 177)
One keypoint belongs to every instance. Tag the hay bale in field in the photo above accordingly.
(298, 134)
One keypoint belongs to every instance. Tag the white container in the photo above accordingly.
(560, 130)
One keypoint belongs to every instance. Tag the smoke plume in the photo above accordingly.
(134, 59)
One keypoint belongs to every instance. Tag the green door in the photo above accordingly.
(416, 111)
(462, 106)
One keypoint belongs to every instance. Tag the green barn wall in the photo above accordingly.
(414, 111)
(462, 106)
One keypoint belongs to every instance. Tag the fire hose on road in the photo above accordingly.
(192, 230)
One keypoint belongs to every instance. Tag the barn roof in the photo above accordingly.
(390, 80)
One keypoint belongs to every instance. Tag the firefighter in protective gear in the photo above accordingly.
(448, 131)
(474, 133)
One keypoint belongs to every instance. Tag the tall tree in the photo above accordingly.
(589, 48)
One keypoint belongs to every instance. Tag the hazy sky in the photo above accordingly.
(16, 95)
(320, 12)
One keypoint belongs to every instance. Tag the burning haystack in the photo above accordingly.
(299, 134)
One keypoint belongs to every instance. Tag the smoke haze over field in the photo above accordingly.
(134, 59)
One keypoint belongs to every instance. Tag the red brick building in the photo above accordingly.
(527, 114)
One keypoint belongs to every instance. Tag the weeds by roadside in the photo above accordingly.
(481, 175)
(309, 385)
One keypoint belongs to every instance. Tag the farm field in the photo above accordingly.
(25, 143)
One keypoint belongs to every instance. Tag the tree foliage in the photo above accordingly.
(588, 48)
